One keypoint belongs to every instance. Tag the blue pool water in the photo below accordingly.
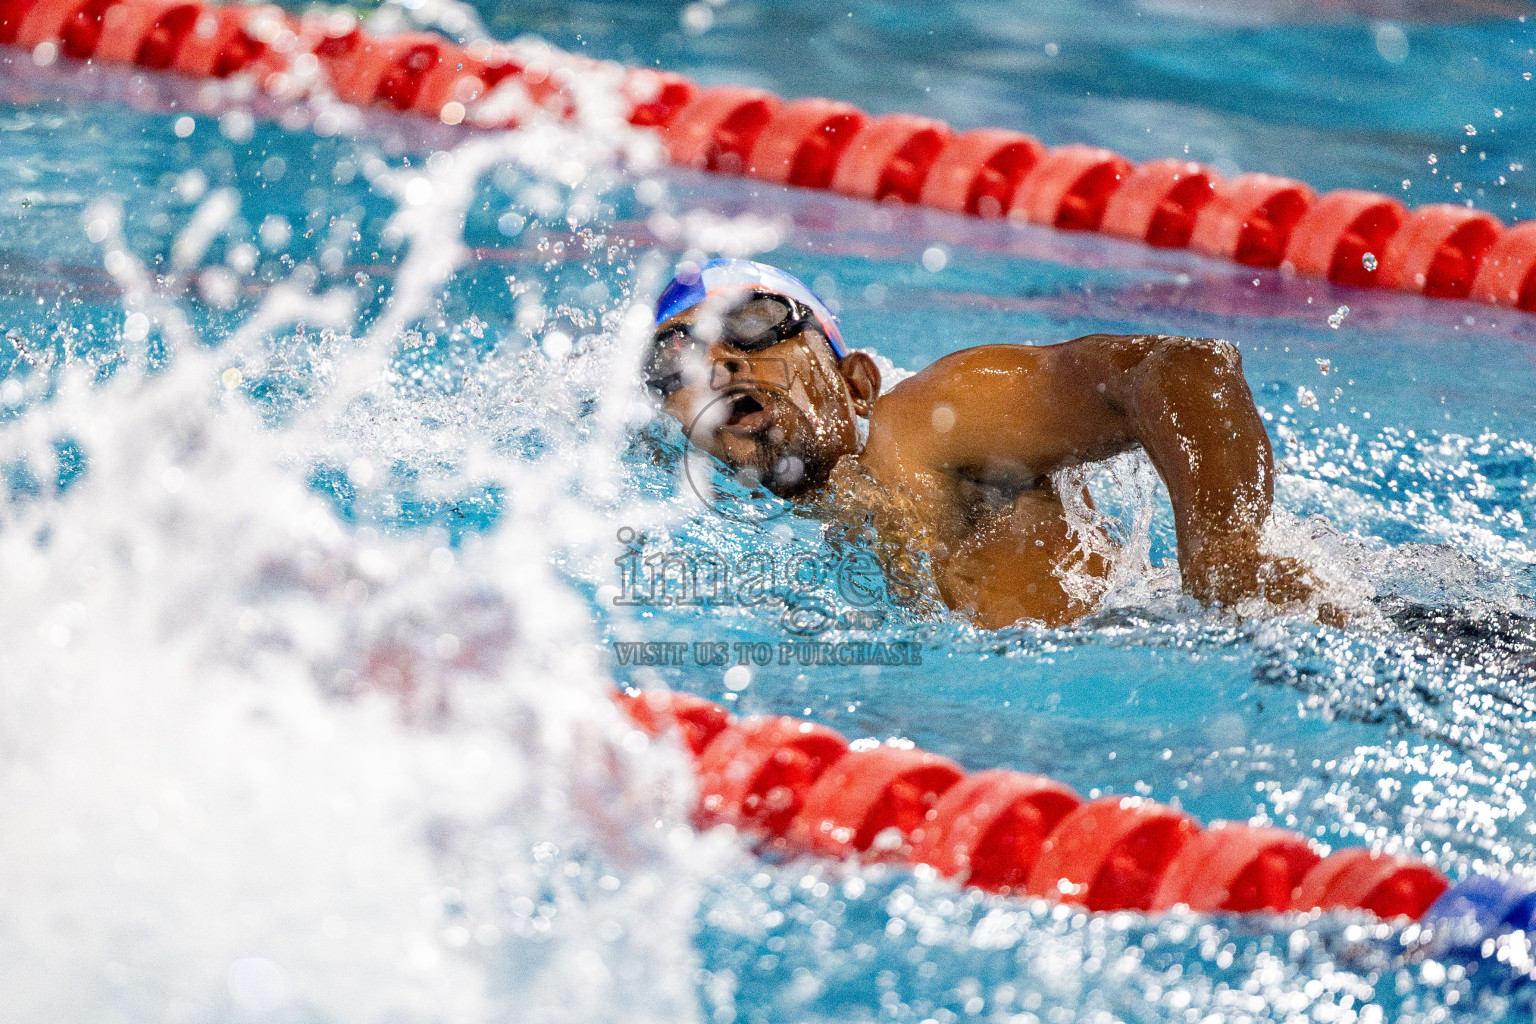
(311, 627)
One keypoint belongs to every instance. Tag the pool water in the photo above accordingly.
(326, 478)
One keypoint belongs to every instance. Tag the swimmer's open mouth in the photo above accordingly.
(748, 414)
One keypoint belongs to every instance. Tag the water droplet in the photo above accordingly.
(1391, 43)
(1337, 317)
(698, 18)
(1368, 261)
(135, 327)
(557, 344)
(418, 191)
(510, 223)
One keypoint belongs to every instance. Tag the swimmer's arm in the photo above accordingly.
(1185, 402)
(1028, 411)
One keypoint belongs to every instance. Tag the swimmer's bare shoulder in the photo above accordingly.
(1005, 415)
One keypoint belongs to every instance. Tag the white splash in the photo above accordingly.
(1123, 540)
(257, 762)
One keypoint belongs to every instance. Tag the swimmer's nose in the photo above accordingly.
(727, 361)
(728, 366)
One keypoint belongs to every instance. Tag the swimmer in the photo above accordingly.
(754, 367)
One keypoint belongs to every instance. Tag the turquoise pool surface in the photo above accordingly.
(220, 532)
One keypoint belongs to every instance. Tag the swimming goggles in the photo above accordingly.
(760, 321)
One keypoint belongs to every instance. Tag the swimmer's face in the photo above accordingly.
(781, 416)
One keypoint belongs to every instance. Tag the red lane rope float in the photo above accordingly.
(389, 71)
(757, 772)
(145, 34)
(75, 26)
(798, 788)
(655, 97)
(803, 142)
(1159, 202)
(1508, 274)
(890, 157)
(1438, 251)
(218, 45)
(462, 77)
(157, 47)
(236, 39)
(988, 828)
(1070, 187)
(655, 712)
(1385, 885)
(1255, 219)
(1110, 854)
(1344, 235)
(1250, 219)
(1238, 868)
(716, 130)
(11, 16)
(457, 78)
(874, 802)
(979, 173)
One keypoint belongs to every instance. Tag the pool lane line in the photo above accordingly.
(1350, 237)
(798, 787)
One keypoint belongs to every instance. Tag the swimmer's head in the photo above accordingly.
(753, 365)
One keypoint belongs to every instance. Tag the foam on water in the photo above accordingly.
(260, 761)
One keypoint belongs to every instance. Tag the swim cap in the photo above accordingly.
(695, 282)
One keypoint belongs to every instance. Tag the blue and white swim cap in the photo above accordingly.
(695, 282)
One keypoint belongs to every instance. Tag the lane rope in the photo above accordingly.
(1349, 236)
(797, 787)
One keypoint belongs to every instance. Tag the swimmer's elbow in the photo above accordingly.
(1226, 352)
(1146, 381)
(1206, 351)
(1139, 358)
(1191, 365)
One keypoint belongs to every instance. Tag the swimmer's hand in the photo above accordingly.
(1228, 569)
(1190, 408)
(1232, 569)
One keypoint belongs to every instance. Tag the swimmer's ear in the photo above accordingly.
(862, 376)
